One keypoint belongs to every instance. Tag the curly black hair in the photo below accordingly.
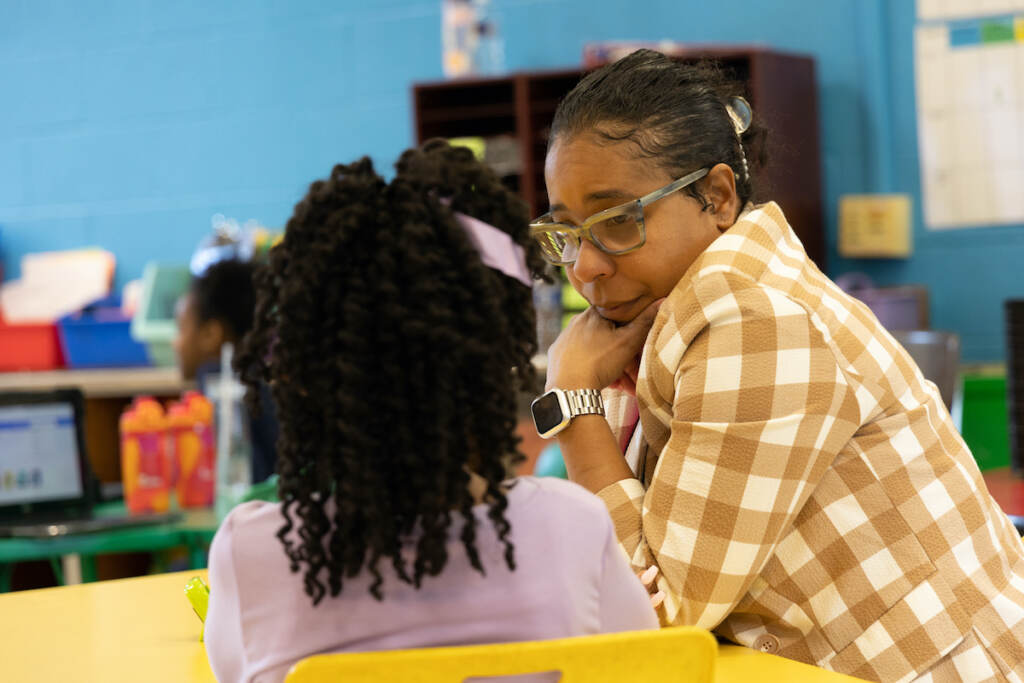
(394, 357)
(673, 112)
(225, 293)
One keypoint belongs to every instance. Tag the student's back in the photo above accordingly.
(395, 329)
(570, 580)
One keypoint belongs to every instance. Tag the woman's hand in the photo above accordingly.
(627, 381)
(647, 579)
(592, 352)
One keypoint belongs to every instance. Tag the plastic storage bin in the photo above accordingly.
(100, 336)
(898, 308)
(153, 324)
(29, 347)
(985, 420)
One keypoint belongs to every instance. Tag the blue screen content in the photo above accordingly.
(38, 454)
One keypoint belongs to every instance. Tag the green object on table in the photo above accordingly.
(198, 594)
(550, 463)
(195, 532)
(265, 490)
(984, 424)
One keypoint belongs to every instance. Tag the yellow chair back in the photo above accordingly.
(680, 653)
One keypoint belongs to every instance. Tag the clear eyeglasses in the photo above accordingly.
(614, 231)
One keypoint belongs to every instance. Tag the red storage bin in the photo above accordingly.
(29, 347)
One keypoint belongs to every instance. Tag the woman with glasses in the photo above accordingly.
(754, 432)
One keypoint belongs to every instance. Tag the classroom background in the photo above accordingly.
(129, 125)
(137, 128)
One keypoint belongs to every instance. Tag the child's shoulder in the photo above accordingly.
(560, 493)
(244, 539)
(250, 519)
(253, 510)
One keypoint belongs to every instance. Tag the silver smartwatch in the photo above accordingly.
(554, 410)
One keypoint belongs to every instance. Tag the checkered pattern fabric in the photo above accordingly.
(800, 484)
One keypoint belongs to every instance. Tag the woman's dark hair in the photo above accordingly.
(224, 292)
(394, 357)
(673, 112)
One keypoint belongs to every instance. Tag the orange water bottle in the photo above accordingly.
(145, 468)
(191, 433)
(177, 422)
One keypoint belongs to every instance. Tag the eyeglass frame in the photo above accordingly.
(583, 230)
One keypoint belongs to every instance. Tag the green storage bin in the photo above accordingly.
(153, 324)
(985, 426)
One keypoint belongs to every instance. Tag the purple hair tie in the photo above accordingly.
(497, 249)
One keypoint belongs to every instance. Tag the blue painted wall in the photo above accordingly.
(969, 272)
(127, 124)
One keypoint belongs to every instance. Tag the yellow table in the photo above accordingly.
(144, 630)
(129, 630)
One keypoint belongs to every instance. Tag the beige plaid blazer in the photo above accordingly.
(801, 486)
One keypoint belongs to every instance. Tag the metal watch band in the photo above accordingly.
(584, 402)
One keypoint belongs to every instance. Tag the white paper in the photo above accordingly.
(970, 111)
(929, 10)
(54, 284)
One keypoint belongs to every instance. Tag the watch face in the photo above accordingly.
(547, 413)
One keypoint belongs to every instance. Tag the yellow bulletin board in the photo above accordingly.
(874, 226)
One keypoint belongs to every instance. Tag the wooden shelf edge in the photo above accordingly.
(100, 383)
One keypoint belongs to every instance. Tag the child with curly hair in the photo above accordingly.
(394, 325)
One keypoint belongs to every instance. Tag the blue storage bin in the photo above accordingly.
(100, 337)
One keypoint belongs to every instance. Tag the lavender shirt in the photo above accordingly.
(571, 579)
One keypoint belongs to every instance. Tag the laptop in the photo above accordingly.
(47, 488)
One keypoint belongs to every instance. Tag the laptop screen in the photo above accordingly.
(39, 459)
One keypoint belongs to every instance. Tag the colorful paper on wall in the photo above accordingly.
(970, 110)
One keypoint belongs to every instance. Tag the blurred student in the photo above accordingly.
(394, 324)
(217, 309)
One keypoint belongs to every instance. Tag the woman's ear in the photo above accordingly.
(720, 191)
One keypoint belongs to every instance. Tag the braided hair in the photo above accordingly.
(674, 113)
(394, 356)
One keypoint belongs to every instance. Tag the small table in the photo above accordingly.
(77, 551)
(143, 629)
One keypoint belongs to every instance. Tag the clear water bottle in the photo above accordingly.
(234, 445)
(547, 302)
